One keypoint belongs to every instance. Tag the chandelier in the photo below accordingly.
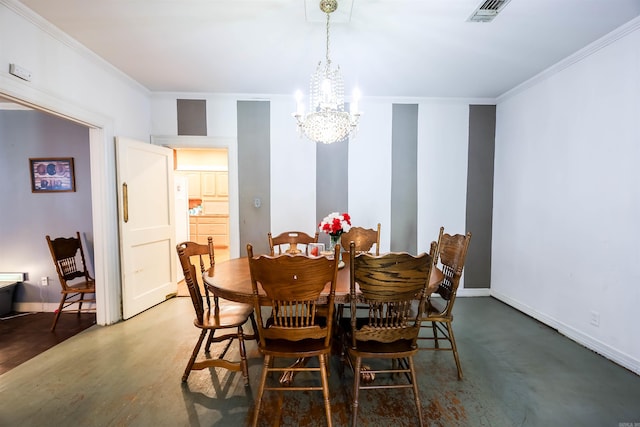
(327, 122)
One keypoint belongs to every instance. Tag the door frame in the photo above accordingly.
(231, 144)
(103, 175)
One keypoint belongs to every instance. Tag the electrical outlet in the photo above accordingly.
(595, 318)
(44, 281)
(20, 72)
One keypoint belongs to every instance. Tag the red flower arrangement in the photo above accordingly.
(335, 223)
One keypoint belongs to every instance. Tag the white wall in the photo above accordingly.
(567, 199)
(442, 182)
(370, 169)
(442, 158)
(73, 82)
(293, 172)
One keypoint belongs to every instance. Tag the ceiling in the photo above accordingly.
(397, 48)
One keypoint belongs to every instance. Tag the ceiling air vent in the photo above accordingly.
(488, 10)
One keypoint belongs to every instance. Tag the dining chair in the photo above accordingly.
(288, 241)
(388, 284)
(75, 280)
(364, 239)
(289, 287)
(226, 317)
(451, 252)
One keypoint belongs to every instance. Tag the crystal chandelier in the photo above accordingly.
(327, 122)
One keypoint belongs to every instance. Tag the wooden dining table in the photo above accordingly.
(231, 280)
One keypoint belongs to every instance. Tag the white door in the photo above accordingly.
(146, 224)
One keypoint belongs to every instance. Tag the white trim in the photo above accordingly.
(231, 144)
(579, 337)
(291, 98)
(43, 307)
(103, 200)
(473, 292)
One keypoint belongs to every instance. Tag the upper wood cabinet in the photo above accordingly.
(207, 185)
(193, 179)
(215, 184)
(208, 182)
(222, 184)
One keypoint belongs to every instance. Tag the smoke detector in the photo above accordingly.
(487, 11)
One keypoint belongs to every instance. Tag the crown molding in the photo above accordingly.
(578, 56)
(64, 38)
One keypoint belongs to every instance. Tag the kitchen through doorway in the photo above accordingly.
(202, 209)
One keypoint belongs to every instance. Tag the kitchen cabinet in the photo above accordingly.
(222, 184)
(214, 184)
(211, 190)
(216, 226)
(193, 179)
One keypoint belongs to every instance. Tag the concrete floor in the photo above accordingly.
(517, 372)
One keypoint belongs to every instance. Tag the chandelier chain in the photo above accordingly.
(328, 60)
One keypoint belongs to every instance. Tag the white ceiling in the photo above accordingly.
(413, 48)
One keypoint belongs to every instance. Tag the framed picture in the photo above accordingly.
(52, 175)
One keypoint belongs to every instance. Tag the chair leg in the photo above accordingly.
(58, 311)
(254, 326)
(263, 381)
(207, 347)
(414, 382)
(325, 387)
(327, 361)
(356, 391)
(194, 354)
(454, 348)
(80, 304)
(243, 356)
(434, 327)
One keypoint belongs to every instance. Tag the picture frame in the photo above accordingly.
(52, 175)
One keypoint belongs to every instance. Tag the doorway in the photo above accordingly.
(230, 201)
(205, 210)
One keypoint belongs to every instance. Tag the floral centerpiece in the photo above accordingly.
(334, 225)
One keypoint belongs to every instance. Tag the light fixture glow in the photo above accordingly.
(326, 121)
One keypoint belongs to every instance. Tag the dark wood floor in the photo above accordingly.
(25, 335)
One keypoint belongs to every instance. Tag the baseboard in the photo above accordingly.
(43, 307)
(573, 334)
(473, 292)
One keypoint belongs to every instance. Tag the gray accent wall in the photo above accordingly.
(254, 174)
(404, 178)
(482, 129)
(332, 181)
(192, 117)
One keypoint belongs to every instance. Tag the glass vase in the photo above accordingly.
(334, 239)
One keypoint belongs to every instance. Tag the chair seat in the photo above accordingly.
(230, 315)
(374, 348)
(436, 306)
(436, 311)
(81, 287)
(303, 348)
(400, 348)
